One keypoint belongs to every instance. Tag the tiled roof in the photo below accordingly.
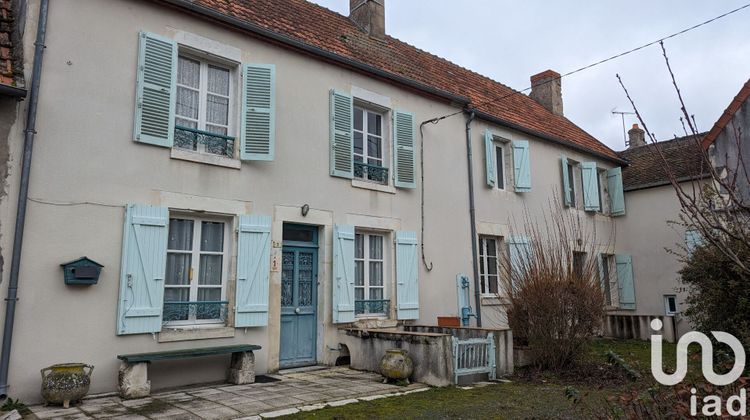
(9, 74)
(684, 156)
(334, 33)
(733, 107)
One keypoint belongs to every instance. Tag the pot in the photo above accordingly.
(66, 382)
(396, 365)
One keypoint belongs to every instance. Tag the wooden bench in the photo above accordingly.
(133, 376)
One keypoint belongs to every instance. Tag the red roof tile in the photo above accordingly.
(322, 28)
(733, 107)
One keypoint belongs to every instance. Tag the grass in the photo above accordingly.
(530, 394)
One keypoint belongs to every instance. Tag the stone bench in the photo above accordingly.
(133, 376)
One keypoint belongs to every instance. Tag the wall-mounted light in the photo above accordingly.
(305, 209)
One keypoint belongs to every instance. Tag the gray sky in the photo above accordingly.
(511, 40)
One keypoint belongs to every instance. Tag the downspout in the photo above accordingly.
(23, 193)
(473, 220)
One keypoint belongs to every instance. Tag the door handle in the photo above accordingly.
(296, 310)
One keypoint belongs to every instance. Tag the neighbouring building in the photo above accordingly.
(265, 172)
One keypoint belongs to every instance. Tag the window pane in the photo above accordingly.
(217, 110)
(218, 80)
(500, 169)
(491, 247)
(359, 293)
(359, 273)
(358, 143)
(178, 269)
(491, 265)
(180, 234)
(209, 294)
(376, 273)
(358, 119)
(373, 123)
(493, 284)
(188, 72)
(359, 246)
(376, 294)
(374, 148)
(210, 270)
(376, 247)
(483, 284)
(481, 264)
(185, 123)
(291, 233)
(672, 304)
(212, 236)
(176, 294)
(187, 103)
(218, 146)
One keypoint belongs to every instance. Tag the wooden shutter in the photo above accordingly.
(616, 193)
(407, 286)
(142, 271)
(258, 128)
(693, 239)
(253, 271)
(625, 284)
(567, 191)
(489, 159)
(343, 274)
(590, 186)
(522, 165)
(519, 252)
(342, 143)
(404, 158)
(156, 90)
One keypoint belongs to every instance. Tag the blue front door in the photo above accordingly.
(299, 279)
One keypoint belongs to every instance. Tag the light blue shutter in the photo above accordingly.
(567, 191)
(625, 281)
(693, 239)
(253, 271)
(258, 128)
(407, 285)
(522, 165)
(519, 252)
(489, 159)
(616, 193)
(156, 90)
(342, 143)
(343, 274)
(404, 150)
(590, 186)
(144, 259)
(600, 261)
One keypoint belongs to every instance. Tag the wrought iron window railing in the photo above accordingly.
(369, 172)
(377, 306)
(201, 311)
(203, 141)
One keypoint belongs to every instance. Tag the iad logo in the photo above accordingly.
(736, 405)
(707, 360)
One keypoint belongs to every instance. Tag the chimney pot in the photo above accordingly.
(546, 89)
(369, 15)
(636, 137)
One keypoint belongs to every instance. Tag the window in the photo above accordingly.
(571, 183)
(601, 179)
(670, 304)
(489, 264)
(194, 288)
(579, 263)
(500, 164)
(369, 156)
(369, 287)
(203, 108)
(605, 261)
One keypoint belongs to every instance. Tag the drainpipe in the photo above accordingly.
(23, 193)
(473, 218)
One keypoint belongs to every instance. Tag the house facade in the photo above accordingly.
(266, 173)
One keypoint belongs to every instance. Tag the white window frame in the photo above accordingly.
(205, 61)
(484, 276)
(366, 234)
(604, 204)
(195, 253)
(667, 312)
(500, 168)
(385, 146)
(571, 170)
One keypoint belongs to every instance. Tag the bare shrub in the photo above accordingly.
(555, 300)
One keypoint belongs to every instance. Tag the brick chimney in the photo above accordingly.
(369, 15)
(636, 137)
(546, 88)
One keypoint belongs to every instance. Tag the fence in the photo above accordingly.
(474, 356)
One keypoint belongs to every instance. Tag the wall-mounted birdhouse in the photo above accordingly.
(82, 272)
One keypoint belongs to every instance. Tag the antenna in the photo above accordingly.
(622, 115)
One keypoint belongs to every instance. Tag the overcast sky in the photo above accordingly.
(511, 40)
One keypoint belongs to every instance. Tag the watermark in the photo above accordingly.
(736, 405)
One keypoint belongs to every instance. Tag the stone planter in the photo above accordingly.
(396, 365)
(66, 382)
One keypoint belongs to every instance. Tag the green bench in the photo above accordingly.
(133, 376)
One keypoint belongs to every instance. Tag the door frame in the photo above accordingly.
(314, 247)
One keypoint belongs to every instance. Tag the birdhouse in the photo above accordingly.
(81, 272)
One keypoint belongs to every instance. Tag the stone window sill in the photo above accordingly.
(171, 334)
(356, 183)
(493, 301)
(208, 159)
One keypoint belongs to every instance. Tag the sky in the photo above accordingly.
(511, 40)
